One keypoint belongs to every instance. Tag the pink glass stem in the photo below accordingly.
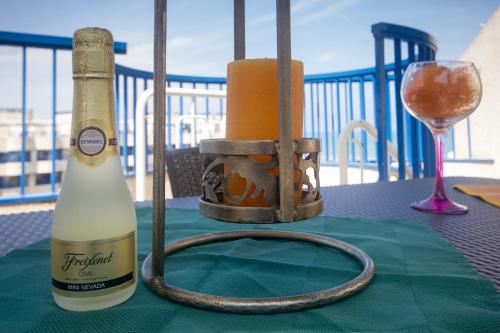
(439, 203)
(439, 142)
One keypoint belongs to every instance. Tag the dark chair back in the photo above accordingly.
(184, 171)
(419, 147)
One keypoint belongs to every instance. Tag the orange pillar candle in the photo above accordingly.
(252, 112)
(252, 99)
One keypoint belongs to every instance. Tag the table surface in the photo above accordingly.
(476, 234)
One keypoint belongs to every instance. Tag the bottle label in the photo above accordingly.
(93, 268)
(92, 145)
(91, 141)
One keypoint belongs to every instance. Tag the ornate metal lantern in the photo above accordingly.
(217, 202)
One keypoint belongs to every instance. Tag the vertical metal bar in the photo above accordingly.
(311, 97)
(317, 110)
(286, 144)
(23, 126)
(351, 118)
(380, 108)
(239, 29)
(169, 119)
(53, 175)
(146, 127)
(413, 143)
(332, 116)
(193, 121)
(304, 113)
(134, 102)
(346, 114)
(125, 124)
(158, 240)
(338, 107)
(221, 105)
(325, 112)
(388, 111)
(207, 112)
(117, 106)
(181, 112)
(362, 111)
(399, 109)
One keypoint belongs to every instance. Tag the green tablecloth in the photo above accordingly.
(422, 283)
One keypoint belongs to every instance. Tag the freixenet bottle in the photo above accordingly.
(94, 231)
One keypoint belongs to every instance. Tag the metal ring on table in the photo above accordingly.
(260, 305)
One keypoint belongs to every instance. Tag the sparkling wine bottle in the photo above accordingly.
(94, 260)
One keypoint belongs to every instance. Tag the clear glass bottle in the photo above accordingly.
(94, 260)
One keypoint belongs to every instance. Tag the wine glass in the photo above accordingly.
(440, 93)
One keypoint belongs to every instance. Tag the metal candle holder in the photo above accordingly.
(217, 202)
(279, 191)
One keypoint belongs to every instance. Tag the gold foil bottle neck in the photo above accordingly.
(93, 53)
(93, 131)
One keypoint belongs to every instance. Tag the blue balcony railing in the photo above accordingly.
(331, 101)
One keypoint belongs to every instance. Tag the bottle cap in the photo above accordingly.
(93, 53)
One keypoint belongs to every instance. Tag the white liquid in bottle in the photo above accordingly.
(94, 260)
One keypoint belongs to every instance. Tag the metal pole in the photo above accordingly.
(286, 148)
(125, 124)
(239, 29)
(193, 120)
(381, 109)
(134, 100)
(53, 175)
(23, 126)
(160, 27)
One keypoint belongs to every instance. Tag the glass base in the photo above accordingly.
(438, 205)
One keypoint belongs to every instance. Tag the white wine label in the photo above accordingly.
(91, 141)
(93, 268)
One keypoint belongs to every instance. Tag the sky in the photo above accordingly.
(327, 35)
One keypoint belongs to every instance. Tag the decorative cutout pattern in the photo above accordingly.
(218, 169)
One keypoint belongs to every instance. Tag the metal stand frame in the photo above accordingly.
(153, 266)
(261, 305)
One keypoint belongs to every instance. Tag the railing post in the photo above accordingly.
(193, 121)
(399, 109)
(380, 108)
(311, 98)
(316, 104)
(53, 155)
(351, 118)
(181, 112)
(146, 111)
(221, 104)
(23, 126)
(117, 110)
(362, 111)
(326, 144)
(207, 111)
(414, 137)
(134, 102)
(337, 90)
(125, 124)
(169, 119)
(332, 120)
